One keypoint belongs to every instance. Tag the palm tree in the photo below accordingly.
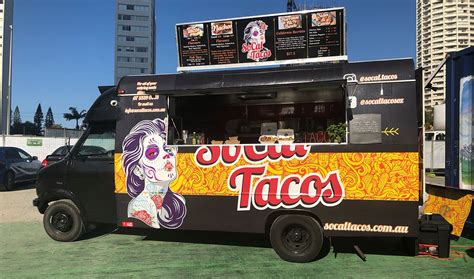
(74, 114)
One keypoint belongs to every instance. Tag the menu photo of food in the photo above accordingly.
(323, 19)
(290, 21)
(286, 136)
(232, 140)
(221, 28)
(193, 30)
(267, 139)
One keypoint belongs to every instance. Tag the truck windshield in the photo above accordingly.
(100, 142)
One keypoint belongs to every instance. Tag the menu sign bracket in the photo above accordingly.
(288, 38)
(270, 63)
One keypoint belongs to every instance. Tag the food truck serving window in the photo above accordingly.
(284, 115)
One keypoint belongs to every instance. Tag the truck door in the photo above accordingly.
(90, 173)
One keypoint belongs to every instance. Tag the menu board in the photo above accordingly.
(223, 48)
(324, 34)
(289, 38)
(194, 44)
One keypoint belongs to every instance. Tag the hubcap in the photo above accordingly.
(61, 221)
(296, 238)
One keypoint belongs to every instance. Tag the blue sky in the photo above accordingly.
(64, 49)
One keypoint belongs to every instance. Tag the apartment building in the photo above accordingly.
(442, 26)
(134, 38)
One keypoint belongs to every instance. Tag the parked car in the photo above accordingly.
(62, 151)
(16, 165)
(57, 155)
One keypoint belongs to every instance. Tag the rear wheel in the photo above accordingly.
(63, 222)
(9, 181)
(296, 238)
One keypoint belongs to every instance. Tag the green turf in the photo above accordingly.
(466, 172)
(26, 251)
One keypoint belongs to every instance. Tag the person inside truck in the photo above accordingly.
(150, 166)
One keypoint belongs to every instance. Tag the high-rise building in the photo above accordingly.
(442, 26)
(6, 32)
(134, 38)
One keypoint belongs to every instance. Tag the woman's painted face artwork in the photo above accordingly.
(158, 162)
(150, 166)
(257, 35)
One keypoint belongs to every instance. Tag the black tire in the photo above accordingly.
(9, 181)
(296, 238)
(62, 221)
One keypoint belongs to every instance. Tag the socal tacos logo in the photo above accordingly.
(254, 40)
(260, 191)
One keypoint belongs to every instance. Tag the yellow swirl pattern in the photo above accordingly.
(453, 205)
(365, 176)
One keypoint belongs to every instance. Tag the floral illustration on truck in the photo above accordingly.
(150, 166)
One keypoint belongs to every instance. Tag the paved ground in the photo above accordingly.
(27, 252)
(17, 206)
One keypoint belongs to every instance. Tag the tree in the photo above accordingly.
(16, 116)
(29, 128)
(49, 120)
(38, 121)
(75, 115)
(16, 123)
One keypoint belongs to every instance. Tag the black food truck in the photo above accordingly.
(300, 153)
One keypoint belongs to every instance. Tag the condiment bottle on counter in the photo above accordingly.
(194, 140)
(185, 136)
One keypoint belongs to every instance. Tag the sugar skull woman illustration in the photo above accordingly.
(254, 40)
(150, 166)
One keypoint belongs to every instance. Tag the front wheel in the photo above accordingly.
(296, 238)
(63, 222)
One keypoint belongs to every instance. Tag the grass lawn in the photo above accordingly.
(466, 172)
(26, 251)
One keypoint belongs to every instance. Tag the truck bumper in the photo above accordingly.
(40, 205)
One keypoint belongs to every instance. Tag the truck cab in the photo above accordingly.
(79, 189)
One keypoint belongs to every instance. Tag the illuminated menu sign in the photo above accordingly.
(289, 38)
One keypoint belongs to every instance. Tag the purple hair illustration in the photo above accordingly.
(150, 166)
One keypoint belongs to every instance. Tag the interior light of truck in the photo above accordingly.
(258, 96)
